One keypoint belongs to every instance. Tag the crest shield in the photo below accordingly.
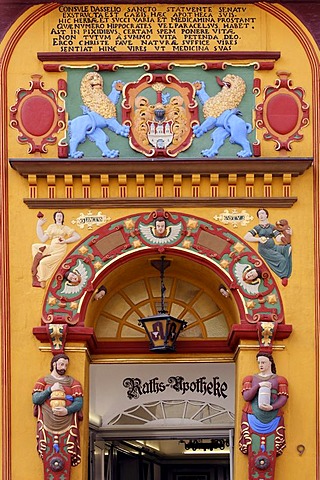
(161, 111)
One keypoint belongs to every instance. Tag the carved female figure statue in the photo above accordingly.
(262, 426)
(278, 257)
(46, 258)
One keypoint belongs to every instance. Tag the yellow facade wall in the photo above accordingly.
(295, 358)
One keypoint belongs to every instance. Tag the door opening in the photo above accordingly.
(161, 458)
(161, 423)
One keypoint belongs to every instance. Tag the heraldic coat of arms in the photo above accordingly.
(161, 111)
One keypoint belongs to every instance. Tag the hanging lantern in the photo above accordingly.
(162, 329)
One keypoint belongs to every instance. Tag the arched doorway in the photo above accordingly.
(169, 436)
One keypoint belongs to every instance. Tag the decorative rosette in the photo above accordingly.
(262, 462)
(56, 464)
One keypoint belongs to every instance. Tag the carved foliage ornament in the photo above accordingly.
(57, 334)
(37, 114)
(283, 112)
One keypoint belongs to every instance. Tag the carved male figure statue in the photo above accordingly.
(58, 400)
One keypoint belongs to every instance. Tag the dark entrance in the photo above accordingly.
(163, 460)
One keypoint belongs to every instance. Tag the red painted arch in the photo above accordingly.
(190, 237)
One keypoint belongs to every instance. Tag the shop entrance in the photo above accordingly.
(162, 421)
(162, 458)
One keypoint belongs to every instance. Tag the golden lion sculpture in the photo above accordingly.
(99, 111)
(221, 113)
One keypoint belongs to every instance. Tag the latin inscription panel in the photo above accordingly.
(158, 28)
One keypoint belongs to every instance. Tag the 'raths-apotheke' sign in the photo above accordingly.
(214, 386)
(115, 388)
